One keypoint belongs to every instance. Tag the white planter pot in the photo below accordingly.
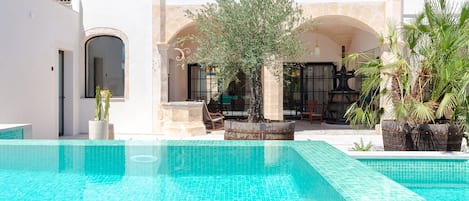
(98, 130)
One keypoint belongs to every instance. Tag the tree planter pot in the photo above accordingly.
(274, 130)
(98, 130)
(423, 137)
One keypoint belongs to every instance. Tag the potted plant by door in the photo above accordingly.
(243, 37)
(427, 77)
(99, 127)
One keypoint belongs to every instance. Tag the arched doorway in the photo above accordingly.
(104, 65)
(192, 82)
(315, 77)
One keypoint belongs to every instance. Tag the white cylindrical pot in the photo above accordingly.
(98, 130)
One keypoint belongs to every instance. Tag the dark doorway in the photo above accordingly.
(61, 92)
(303, 82)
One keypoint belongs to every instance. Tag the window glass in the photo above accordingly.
(105, 61)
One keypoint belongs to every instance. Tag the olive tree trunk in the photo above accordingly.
(256, 111)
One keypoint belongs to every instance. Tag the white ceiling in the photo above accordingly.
(341, 29)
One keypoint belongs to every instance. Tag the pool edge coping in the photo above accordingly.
(410, 155)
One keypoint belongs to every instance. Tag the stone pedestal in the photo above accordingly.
(183, 119)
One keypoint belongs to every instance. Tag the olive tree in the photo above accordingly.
(243, 36)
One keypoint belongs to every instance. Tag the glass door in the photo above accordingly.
(303, 82)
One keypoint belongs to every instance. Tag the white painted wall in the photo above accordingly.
(412, 7)
(416, 6)
(329, 50)
(363, 41)
(72, 96)
(133, 18)
(32, 33)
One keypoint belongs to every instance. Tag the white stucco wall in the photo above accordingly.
(363, 41)
(412, 7)
(329, 50)
(33, 31)
(134, 113)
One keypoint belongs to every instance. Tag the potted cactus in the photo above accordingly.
(99, 127)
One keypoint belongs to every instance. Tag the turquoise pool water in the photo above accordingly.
(12, 133)
(187, 170)
(433, 179)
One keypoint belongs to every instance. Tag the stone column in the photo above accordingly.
(160, 65)
(394, 10)
(159, 84)
(273, 94)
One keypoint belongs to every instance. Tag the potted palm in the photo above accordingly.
(427, 75)
(243, 37)
(99, 127)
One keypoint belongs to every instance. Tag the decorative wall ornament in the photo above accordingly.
(181, 57)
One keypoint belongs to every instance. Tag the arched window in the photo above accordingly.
(105, 65)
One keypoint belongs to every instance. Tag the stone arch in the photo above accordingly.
(346, 20)
(342, 31)
(190, 26)
(187, 29)
(371, 14)
(99, 31)
(178, 75)
(106, 31)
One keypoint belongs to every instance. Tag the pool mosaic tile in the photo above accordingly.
(12, 133)
(349, 177)
(436, 179)
(429, 171)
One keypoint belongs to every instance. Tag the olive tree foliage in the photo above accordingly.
(243, 36)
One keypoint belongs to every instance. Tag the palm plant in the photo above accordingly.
(428, 72)
(361, 146)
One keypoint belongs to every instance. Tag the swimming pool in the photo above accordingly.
(11, 133)
(435, 179)
(15, 131)
(187, 170)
